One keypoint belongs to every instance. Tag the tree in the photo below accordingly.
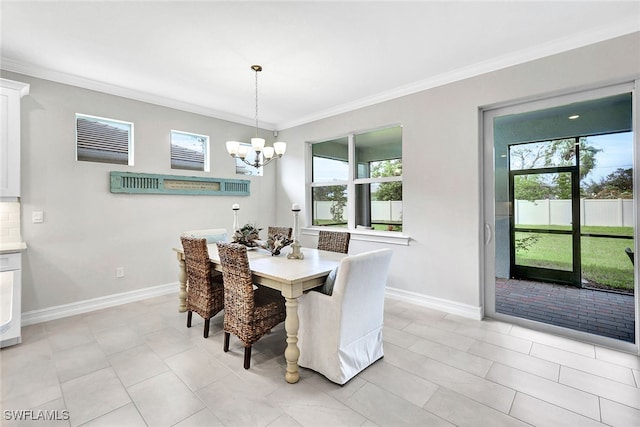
(387, 190)
(334, 194)
(531, 187)
(565, 149)
(560, 152)
(616, 185)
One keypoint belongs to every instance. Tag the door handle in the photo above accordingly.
(487, 234)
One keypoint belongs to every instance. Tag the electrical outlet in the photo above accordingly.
(120, 272)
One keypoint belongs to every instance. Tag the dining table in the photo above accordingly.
(292, 277)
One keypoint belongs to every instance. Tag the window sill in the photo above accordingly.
(391, 237)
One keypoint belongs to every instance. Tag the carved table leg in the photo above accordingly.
(182, 279)
(292, 352)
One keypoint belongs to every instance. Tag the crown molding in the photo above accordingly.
(22, 88)
(590, 36)
(585, 38)
(75, 80)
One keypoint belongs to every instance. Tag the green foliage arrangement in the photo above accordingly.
(247, 235)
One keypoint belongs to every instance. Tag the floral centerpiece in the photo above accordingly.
(275, 243)
(247, 235)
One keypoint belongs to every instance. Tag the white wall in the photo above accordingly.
(88, 231)
(442, 158)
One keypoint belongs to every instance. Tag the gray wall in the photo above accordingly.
(87, 230)
(442, 160)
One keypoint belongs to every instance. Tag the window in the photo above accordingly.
(104, 140)
(189, 151)
(357, 181)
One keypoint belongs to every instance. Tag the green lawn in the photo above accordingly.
(604, 261)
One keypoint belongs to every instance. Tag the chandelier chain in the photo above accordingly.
(256, 102)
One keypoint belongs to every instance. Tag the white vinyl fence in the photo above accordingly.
(386, 211)
(603, 212)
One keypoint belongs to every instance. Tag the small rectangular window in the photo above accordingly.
(189, 151)
(104, 140)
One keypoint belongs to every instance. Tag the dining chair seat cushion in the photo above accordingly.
(341, 334)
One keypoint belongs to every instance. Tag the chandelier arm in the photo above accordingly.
(257, 164)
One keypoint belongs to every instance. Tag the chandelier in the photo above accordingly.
(240, 151)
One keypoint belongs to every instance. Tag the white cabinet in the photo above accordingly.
(10, 94)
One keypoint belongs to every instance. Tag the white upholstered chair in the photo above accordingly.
(341, 334)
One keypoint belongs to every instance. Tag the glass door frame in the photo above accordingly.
(489, 217)
(572, 277)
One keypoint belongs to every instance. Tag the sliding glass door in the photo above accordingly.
(560, 213)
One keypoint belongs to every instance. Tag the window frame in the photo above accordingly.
(206, 164)
(394, 237)
(107, 121)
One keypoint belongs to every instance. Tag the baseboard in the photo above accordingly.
(465, 310)
(65, 310)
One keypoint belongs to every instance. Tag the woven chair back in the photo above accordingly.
(203, 296)
(334, 241)
(238, 287)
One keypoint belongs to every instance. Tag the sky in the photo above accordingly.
(617, 152)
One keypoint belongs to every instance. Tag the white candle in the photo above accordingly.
(295, 207)
(235, 206)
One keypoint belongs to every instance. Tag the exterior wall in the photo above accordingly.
(442, 158)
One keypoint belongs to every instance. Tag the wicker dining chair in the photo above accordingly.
(285, 231)
(205, 291)
(334, 241)
(248, 313)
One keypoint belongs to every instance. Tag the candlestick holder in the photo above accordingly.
(295, 246)
(236, 225)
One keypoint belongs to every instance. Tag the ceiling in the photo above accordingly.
(320, 58)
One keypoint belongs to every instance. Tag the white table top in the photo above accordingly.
(316, 263)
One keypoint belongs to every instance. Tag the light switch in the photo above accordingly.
(37, 216)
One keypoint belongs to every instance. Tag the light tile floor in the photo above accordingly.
(138, 365)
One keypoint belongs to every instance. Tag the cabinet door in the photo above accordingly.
(10, 137)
